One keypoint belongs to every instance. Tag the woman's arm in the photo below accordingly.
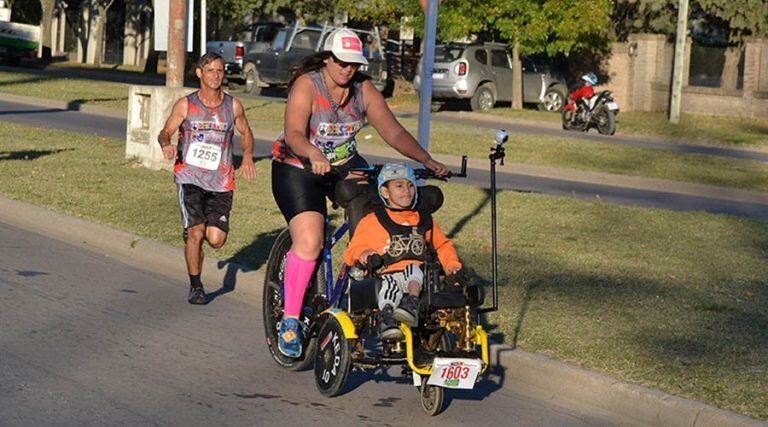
(298, 110)
(381, 117)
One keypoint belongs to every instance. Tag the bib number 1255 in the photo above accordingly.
(202, 155)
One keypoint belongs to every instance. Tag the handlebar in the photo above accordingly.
(373, 170)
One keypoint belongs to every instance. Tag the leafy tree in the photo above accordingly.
(551, 27)
(25, 12)
(643, 16)
(744, 18)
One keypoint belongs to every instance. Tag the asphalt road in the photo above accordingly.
(87, 340)
(115, 128)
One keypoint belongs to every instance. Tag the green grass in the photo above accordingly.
(697, 129)
(458, 139)
(83, 91)
(675, 301)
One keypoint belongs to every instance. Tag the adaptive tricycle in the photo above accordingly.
(448, 348)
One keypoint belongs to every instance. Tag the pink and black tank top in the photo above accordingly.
(332, 128)
(204, 156)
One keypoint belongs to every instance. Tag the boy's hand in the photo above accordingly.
(364, 256)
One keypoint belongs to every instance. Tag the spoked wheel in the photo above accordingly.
(332, 361)
(272, 308)
(252, 81)
(571, 123)
(606, 121)
(432, 397)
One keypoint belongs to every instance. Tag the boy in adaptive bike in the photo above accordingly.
(400, 233)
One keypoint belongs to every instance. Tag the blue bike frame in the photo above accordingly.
(333, 289)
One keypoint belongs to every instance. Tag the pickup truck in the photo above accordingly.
(250, 39)
(17, 41)
(271, 67)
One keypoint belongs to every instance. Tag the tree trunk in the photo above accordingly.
(45, 29)
(517, 78)
(101, 21)
(730, 76)
(102, 6)
(150, 67)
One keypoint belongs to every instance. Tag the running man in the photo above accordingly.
(204, 171)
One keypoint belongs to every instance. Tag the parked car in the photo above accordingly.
(271, 67)
(247, 40)
(17, 41)
(482, 73)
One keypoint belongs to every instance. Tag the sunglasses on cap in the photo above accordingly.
(343, 64)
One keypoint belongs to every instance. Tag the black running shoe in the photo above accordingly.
(408, 311)
(196, 295)
(388, 326)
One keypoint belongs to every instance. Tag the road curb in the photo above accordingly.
(568, 385)
(133, 250)
(537, 375)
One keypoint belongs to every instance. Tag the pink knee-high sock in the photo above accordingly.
(297, 274)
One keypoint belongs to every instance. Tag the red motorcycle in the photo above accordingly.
(599, 111)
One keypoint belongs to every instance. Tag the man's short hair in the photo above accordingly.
(208, 58)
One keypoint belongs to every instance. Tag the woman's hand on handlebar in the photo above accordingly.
(438, 168)
(320, 165)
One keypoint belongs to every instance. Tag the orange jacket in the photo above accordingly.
(371, 235)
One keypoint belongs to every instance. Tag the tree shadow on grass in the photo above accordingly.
(27, 80)
(249, 258)
(29, 154)
(678, 333)
(77, 103)
(468, 217)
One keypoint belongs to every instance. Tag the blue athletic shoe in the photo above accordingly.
(289, 337)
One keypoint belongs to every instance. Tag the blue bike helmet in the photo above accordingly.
(590, 78)
(392, 171)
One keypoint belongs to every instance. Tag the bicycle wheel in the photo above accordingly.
(272, 307)
(432, 397)
(332, 361)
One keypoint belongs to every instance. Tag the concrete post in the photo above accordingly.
(174, 75)
(677, 73)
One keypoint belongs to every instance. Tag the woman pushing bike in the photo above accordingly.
(329, 101)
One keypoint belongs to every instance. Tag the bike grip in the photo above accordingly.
(375, 261)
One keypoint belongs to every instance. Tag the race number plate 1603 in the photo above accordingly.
(455, 373)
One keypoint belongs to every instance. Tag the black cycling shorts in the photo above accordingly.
(297, 190)
(199, 206)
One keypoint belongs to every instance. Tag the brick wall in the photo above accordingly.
(640, 73)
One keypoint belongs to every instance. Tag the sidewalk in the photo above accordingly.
(544, 378)
(565, 174)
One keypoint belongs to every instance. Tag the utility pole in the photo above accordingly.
(203, 26)
(177, 17)
(677, 73)
(427, 66)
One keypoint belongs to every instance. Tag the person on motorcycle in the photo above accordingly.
(400, 231)
(582, 95)
(329, 102)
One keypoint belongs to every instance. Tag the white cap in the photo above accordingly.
(346, 46)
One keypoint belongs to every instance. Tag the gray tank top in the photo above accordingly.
(204, 156)
(332, 128)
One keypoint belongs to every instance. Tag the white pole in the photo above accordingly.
(677, 73)
(203, 27)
